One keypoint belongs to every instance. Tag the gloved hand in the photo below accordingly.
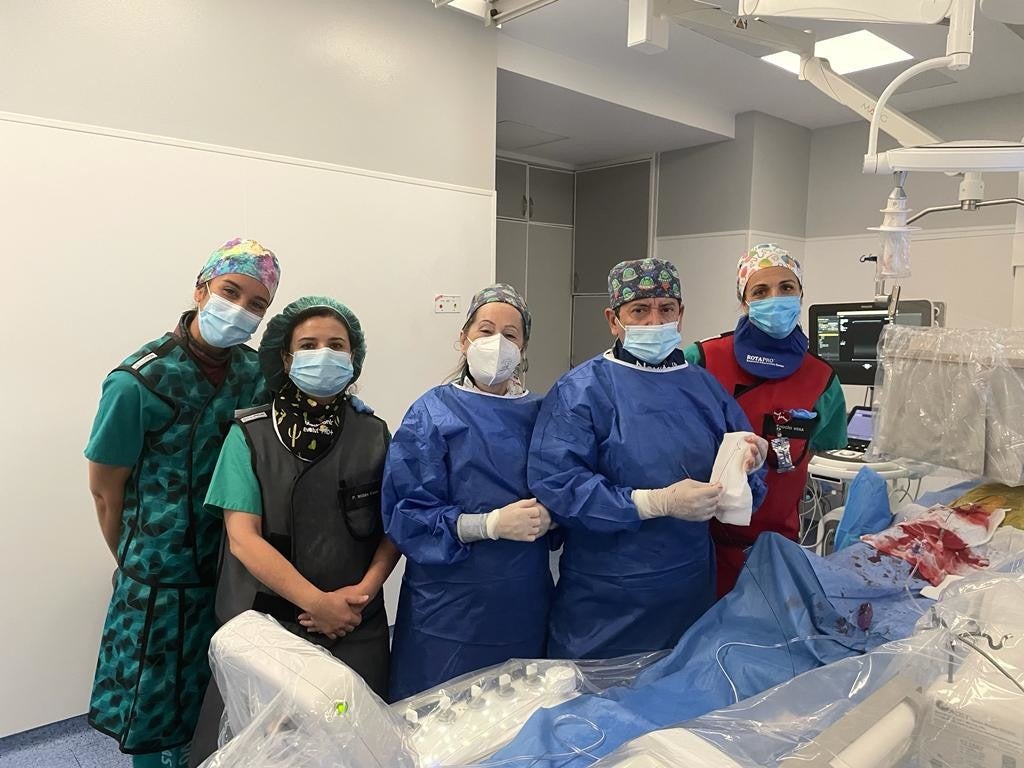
(360, 406)
(685, 500)
(758, 453)
(525, 520)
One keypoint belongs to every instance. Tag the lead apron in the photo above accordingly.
(762, 401)
(324, 518)
(152, 667)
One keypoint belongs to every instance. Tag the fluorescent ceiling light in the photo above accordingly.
(854, 52)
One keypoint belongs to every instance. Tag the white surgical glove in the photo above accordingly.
(685, 500)
(525, 520)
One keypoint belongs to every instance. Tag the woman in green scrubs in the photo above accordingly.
(162, 419)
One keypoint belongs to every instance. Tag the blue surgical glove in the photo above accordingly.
(799, 413)
(360, 406)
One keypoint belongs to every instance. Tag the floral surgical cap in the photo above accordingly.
(761, 257)
(243, 257)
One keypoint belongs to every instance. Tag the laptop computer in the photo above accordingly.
(860, 429)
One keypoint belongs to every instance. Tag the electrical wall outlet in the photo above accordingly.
(447, 304)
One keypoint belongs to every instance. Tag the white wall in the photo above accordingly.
(103, 236)
(970, 269)
(778, 187)
(707, 188)
(393, 85)
(115, 273)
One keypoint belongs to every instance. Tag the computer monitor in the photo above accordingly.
(846, 335)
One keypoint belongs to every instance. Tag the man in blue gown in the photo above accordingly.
(621, 455)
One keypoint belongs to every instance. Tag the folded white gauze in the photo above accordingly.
(736, 504)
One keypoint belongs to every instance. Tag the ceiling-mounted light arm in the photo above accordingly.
(876, 117)
(959, 46)
(501, 11)
(493, 12)
(867, 11)
(960, 207)
(701, 16)
(959, 39)
(905, 131)
(704, 17)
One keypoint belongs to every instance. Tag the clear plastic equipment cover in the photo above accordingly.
(293, 705)
(954, 398)
(951, 695)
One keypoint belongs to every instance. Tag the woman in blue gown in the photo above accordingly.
(477, 582)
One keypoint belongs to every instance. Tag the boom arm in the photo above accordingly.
(703, 17)
(908, 133)
(870, 11)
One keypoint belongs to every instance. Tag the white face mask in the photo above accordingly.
(492, 359)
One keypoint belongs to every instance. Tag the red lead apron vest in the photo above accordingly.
(766, 403)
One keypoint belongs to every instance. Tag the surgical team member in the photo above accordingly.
(792, 397)
(298, 484)
(477, 583)
(621, 455)
(162, 418)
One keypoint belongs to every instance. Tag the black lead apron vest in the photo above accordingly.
(324, 517)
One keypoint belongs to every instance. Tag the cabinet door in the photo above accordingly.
(549, 294)
(510, 184)
(612, 222)
(510, 254)
(551, 196)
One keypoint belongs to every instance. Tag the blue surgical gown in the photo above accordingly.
(462, 606)
(607, 427)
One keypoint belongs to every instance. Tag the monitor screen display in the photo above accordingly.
(861, 426)
(846, 335)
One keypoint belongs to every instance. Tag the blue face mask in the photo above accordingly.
(651, 343)
(777, 316)
(223, 324)
(321, 372)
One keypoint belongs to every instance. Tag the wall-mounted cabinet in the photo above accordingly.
(558, 234)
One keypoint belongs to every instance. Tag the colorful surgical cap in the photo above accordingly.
(643, 279)
(274, 338)
(505, 294)
(761, 257)
(243, 257)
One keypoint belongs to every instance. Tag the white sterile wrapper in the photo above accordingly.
(737, 504)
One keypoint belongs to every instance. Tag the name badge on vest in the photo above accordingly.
(784, 424)
(360, 505)
(780, 427)
(359, 496)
